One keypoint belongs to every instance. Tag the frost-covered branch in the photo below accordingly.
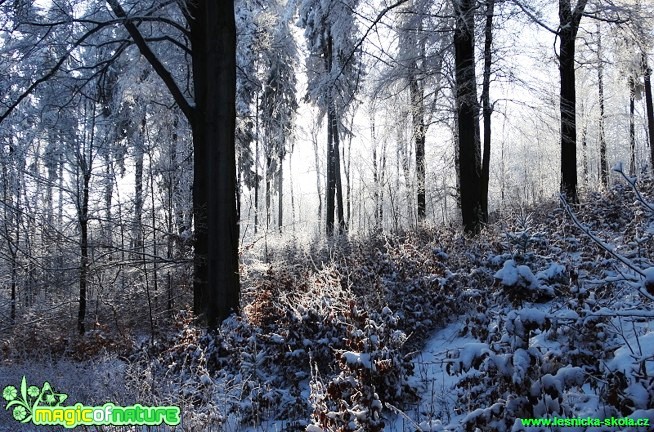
(600, 242)
(374, 23)
(51, 73)
(632, 183)
(150, 56)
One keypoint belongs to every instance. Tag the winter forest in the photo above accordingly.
(327, 215)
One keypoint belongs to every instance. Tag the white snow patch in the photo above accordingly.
(355, 358)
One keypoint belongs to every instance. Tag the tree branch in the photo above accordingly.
(156, 64)
(50, 73)
(380, 15)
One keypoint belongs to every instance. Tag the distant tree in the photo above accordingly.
(604, 172)
(278, 105)
(334, 75)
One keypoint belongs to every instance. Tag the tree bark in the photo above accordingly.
(256, 166)
(213, 37)
(337, 174)
(468, 117)
(604, 172)
(331, 174)
(632, 127)
(331, 144)
(487, 108)
(280, 195)
(650, 108)
(569, 25)
(416, 91)
(137, 138)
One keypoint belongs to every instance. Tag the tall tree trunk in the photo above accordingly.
(632, 127)
(403, 157)
(280, 195)
(331, 174)
(347, 164)
(108, 198)
(269, 178)
(604, 171)
(11, 226)
(256, 165)
(337, 173)
(416, 91)
(417, 95)
(216, 287)
(649, 107)
(213, 36)
(375, 172)
(84, 162)
(138, 144)
(468, 116)
(487, 108)
(569, 25)
(584, 146)
(290, 183)
(314, 141)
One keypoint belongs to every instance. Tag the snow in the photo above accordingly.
(513, 275)
(648, 282)
(627, 358)
(357, 359)
(471, 352)
(554, 272)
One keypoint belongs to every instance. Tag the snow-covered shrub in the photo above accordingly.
(373, 371)
(520, 284)
(511, 376)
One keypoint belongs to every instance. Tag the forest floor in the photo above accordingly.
(548, 313)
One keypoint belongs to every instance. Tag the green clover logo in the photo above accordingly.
(29, 398)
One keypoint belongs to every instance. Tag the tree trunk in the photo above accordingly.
(584, 146)
(468, 116)
(417, 96)
(337, 173)
(375, 172)
(418, 110)
(604, 172)
(213, 36)
(280, 196)
(569, 25)
(331, 175)
(487, 108)
(84, 162)
(347, 164)
(84, 252)
(138, 144)
(256, 166)
(650, 108)
(632, 127)
(314, 140)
